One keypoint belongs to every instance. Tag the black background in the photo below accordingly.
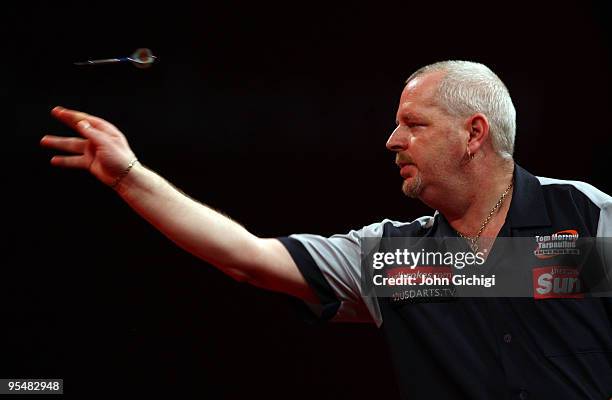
(278, 116)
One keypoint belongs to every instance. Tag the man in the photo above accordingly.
(453, 143)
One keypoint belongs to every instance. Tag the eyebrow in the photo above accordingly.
(407, 115)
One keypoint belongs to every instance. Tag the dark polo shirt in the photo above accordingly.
(541, 347)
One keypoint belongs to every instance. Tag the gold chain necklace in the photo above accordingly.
(474, 240)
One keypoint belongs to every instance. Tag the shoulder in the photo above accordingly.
(386, 228)
(580, 190)
(391, 228)
(568, 197)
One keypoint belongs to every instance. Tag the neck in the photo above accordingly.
(468, 198)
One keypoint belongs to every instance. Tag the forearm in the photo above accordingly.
(191, 225)
(104, 151)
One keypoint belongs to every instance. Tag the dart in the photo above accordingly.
(141, 58)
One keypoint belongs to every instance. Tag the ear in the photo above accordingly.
(477, 127)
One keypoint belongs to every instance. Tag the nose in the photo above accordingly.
(398, 140)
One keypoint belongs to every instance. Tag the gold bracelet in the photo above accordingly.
(124, 173)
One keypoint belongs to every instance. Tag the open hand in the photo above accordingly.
(102, 149)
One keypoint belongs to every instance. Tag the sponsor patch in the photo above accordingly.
(562, 242)
(556, 282)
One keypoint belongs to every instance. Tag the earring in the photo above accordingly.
(469, 154)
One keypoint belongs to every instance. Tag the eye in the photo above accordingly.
(414, 124)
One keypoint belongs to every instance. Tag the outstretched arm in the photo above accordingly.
(105, 152)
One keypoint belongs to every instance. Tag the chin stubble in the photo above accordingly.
(413, 189)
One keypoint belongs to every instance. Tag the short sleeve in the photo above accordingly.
(332, 268)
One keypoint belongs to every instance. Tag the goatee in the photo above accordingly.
(413, 188)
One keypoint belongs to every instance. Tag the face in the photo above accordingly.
(429, 144)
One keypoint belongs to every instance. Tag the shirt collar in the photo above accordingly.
(527, 208)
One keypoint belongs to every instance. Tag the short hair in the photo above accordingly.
(468, 88)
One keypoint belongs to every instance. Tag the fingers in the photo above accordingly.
(70, 161)
(67, 144)
(73, 117)
(84, 128)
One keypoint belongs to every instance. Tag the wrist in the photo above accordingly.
(122, 184)
(139, 181)
(123, 173)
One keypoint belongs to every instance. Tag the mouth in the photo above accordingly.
(403, 160)
(402, 164)
(407, 170)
